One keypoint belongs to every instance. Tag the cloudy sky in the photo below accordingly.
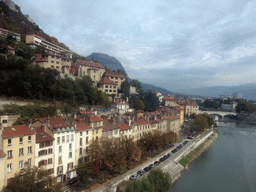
(168, 43)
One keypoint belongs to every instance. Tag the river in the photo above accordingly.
(229, 165)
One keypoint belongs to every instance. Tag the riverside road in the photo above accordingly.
(170, 165)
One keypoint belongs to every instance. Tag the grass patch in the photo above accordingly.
(184, 161)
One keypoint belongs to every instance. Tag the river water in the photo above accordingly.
(229, 165)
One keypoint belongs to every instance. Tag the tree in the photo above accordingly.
(159, 180)
(31, 179)
(199, 123)
(139, 186)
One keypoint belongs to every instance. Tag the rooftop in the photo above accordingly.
(16, 131)
(107, 81)
(89, 64)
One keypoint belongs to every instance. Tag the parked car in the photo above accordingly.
(180, 146)
(185, 142)
(147, 169)
(134, 176)
(168, 155)
(174, 150)
(100, 110)
(156, 163)
(72, 181)
(141, 172)
(189, 137)
(162, 159)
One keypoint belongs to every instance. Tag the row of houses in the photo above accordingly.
(59, 144)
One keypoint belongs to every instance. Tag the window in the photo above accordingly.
(50, 161)
(58, 140)
(72, 137)
(30, 150)
(60, 149)
(70, 155)
(4, 121)
(21, 140)
(9, 142)
(87, 132)
(21, 152)
(60, 159)
(87, 149)
(87, 140)
(96, 131)
(9, 154)
(59, 170)
(9, 167)
(70, 146)
(21, 164)
(106, 86)
(80, 151)
(63, 139)
(96, 137)
(42, 152)
(70, 166)
(29, 162)
(29, 138)
(81, 133)
(67, 138)
(50, 151)
(81, 141)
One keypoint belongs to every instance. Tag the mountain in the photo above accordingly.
(106, 60)
(248, 91)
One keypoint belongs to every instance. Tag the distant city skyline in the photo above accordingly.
(171, 44)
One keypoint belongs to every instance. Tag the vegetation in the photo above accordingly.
(245, 106)
(33, 179)
(156, 181)
(145, 100)
(201, 122)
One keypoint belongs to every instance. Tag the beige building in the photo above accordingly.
(60, 63)
(191, 107)
(91, 69)
(5, 33)
(19, 146)
(108, 86)
(3, 169)
(120, 105)
(34, 40)
(173, 123)
(168, 101)
(118, 78)
(8, 120)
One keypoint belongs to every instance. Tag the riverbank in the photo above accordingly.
(197, 152)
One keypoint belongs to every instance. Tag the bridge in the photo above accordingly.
(220, 113)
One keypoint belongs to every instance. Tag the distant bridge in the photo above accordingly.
(220, 113)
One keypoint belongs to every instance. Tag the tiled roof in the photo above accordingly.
(90, 64)
(42, 136)
(192, 103)
(171, 117)
(169, 99)
(113, 74)
(141, 122)
(120, 101)
(107, 126)
(124, 126)
(82, 126)
(2, 154)
(39, 58)
(107, 81)
(18, 130)
(56, 122)
(95, 118)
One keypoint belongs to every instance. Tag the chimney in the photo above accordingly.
(154, 117)
(129, 121)
(127, 99)
(43, 127)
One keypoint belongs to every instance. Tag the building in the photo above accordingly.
(8, 120)
(63, 145)
(118, 78)
(120, 105)
(3, 169)
(191, 107)
(229, 107)
(91, 69)
(19, 146)
(168, 101)
(83, 140)
(60, 63)
(44, 149)
(5, 33)
(34, 41)
(159, 96)
(108, 86)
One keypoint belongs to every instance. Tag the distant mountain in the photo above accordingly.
(248, 91)
(154, 88)
(106, 60)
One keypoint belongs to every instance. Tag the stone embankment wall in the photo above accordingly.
(3, 102)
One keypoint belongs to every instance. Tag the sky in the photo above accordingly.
(168, 43)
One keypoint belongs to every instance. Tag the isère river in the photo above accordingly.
(228, 165)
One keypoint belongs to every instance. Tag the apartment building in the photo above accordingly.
(141, 127)
(63, 145)
(120, 105)
(168, 101)
(172, 123)
(34, 41)
(83, 140)
(91, 69)
(118, 78)
(97, 124)
(44, 149)
(191, 107)
(108, 86)
(57, 62)
(5, 33)
(19, 146)
(3, 169)
(125, 130)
